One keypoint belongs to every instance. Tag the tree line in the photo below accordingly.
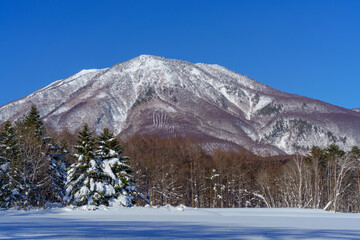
(178, 171)
(38, 168)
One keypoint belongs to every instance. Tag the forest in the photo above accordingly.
(40, 168)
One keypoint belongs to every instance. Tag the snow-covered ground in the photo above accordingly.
(178, 223)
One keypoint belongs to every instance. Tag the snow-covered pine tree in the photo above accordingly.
(57, 172)
(115, 182)
(9, 190)
(81, 174)
(100, 176)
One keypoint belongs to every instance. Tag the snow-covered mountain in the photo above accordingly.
(357, 109)
(220, 108)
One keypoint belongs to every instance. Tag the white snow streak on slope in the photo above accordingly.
(283, 143)
(178, 223)
(249, 112)
(262, 103)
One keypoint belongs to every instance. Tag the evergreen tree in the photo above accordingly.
(8, 143)
(108, 143)
(86, 145)
(80, 173)
(115, 181)
(355, 152)
(32, 120)
(9, 191)
(57, 173)
(100, 176)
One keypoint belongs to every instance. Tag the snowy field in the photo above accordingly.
(178, 223)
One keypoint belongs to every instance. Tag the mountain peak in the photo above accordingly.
(152, 59)
(146, 57)
(153, 95)
(85, 71)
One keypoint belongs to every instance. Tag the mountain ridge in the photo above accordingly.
(150, 94)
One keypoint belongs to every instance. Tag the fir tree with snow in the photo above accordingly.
(9, 191)
(79, 174)
(57, 172)
(116, 183)
(99, 177)
(9, 150)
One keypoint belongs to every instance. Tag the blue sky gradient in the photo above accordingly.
(310, 48)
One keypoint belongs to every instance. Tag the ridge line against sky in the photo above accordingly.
(309, 48)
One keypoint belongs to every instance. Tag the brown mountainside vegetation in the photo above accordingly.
(176, 171)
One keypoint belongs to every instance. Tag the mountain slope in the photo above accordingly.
(168, 97)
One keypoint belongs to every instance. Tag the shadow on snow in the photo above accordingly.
(52, 228)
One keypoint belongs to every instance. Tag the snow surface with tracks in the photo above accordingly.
(177, 223)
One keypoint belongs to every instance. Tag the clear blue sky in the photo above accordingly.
(310, 48)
